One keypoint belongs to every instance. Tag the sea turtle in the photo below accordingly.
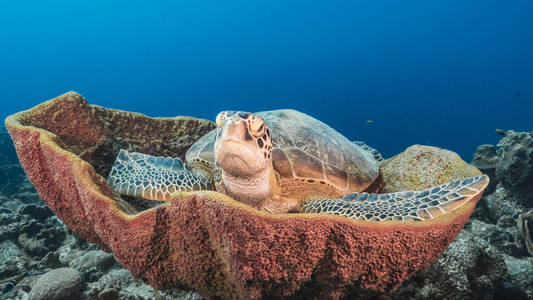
(285, 161)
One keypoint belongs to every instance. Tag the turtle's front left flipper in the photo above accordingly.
(402, 206)
(154, 178)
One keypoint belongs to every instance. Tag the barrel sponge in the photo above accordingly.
(205, 240)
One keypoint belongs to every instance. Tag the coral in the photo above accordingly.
(486, 160)
(512, 189)
(420, 167)
(121, 282)
(16, 213)
(525, 224)
(206, 240)
(515, 170)
(12, 260)
(470, 268)
(12, 173)
(511, 165)
(520, 280)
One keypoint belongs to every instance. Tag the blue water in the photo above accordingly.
(444, 73)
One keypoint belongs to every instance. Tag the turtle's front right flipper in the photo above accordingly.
(154, 178)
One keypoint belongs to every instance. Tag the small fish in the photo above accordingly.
(369, 121)
(517, 94)
(501, 132)
(12, 283)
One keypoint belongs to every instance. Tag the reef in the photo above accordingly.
(491, 258)
(525, 223)
(33, 239)
(204, 240)
(511, 165)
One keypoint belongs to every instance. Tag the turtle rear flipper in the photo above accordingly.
(153, 178)
(402, 206)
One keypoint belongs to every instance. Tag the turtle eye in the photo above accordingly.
(220, 119)
(257, 126)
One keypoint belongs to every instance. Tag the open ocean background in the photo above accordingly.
(442, 73)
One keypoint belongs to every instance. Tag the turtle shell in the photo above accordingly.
(306, 148)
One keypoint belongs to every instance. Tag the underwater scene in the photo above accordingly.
(266, 150)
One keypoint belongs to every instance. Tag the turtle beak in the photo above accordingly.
(234, 129)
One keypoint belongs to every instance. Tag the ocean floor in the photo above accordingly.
(489, 259)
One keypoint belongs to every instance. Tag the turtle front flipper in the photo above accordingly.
(154, 178)
(402, 206)
(372, 151)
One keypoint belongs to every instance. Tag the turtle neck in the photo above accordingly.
(252, 190)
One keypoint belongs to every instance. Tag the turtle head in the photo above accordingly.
(243, 145)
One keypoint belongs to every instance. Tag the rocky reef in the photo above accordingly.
(63, 265)
(488, 259)
(492, 257)
(205, 240)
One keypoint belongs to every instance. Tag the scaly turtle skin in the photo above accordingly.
(281, 161)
